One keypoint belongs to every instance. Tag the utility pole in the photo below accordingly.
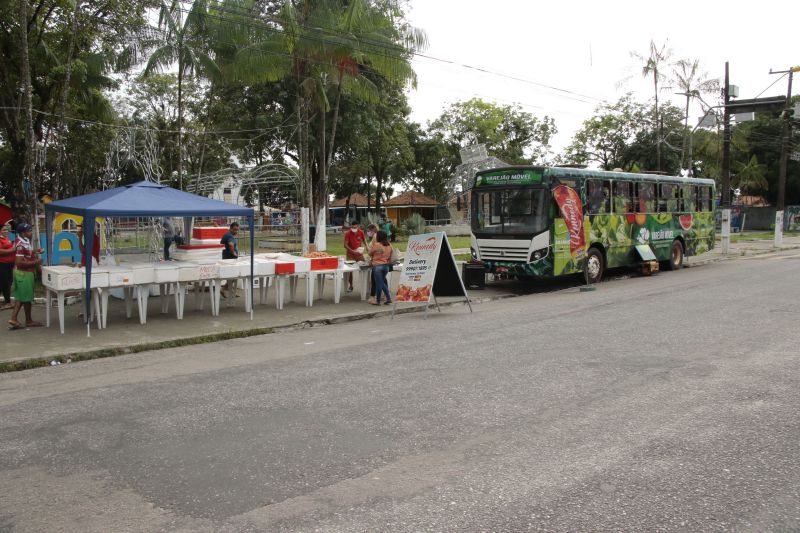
(725, 200)
(787, 135)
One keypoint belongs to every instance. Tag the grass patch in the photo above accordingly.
(336, 244)
(26, 364)
(756, 236)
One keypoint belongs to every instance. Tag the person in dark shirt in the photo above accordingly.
(231, 251)
(170, 236)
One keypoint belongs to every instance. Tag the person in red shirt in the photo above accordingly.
(8, 256)
(354, 242)
(95, 245)
(27, 259)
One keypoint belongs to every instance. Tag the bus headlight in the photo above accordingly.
(538, 254)
(473, 252)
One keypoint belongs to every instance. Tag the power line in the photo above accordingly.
(285, 124)
(573, 95)
(771, 84)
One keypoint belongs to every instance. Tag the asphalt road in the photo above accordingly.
(663, 403)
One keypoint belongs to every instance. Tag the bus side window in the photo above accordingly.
(646, 197)
(698, 205)
(704, 204)
(623, 202)
(689, 198)
(598, 195)
(666, 198)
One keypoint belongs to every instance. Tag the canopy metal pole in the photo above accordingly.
(251, 223)
(88, 246)
(48, 234)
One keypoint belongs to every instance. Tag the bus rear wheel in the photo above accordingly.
(676, 256)
(595, 265)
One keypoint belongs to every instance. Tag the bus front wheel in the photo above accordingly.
(594, 265)
(676, 256)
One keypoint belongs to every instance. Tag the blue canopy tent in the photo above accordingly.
(142, 199)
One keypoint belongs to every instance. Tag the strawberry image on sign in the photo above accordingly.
(569, 203)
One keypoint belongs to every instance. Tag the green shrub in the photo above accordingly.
(371, 218)
(413, 225)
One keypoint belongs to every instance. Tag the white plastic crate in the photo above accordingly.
(118, 276)
(188, 272)
(62, 278)
(207, 270)
(165, 272)
(99, 278)
(264, 267)
(142, 273)
(302, 264)
(229, 268)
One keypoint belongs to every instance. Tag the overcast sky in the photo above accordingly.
(584, 47)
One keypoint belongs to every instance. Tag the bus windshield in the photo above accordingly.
(514, 211)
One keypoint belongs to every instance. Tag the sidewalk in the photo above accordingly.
(742, 248)
(39, 346)
(125, 335)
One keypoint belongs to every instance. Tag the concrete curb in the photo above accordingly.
(28, 363)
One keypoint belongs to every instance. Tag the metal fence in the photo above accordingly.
(272, 238)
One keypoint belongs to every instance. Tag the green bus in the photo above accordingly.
(532, 221)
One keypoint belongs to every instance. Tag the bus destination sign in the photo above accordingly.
(509, 177)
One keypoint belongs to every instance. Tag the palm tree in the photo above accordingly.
(751, 176)
(183, 41)
(328, 48)
(653, 65)
(692, 82)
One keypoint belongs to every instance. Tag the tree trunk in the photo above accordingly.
(685, 129)
(351, 190)
(28, 206)
(203, 141)
(305, 158)
(333, 126)
(180, 124)
(322, 167)
(658, 122)
(379, 175)
(63, 105)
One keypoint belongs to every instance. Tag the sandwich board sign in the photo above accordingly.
(429, 270)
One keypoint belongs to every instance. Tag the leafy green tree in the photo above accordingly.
(434, 164)
(183, 42)
(261, 116)
(72, 46)
(693, 83)
(761, 138)
(509, 133)
(152, 103)
(387, 139)
(604, 138)
(750, 176)
(329, 48)
(707, 154)
(644, 152)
